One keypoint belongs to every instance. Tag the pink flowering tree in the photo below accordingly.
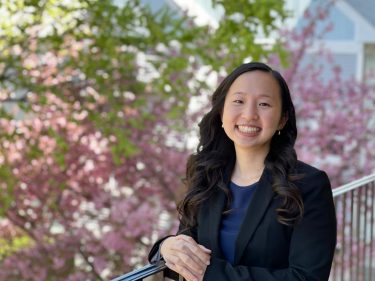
(94, 126)
(335, 114)
(336, 127)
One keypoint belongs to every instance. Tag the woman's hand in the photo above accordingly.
(185, 256)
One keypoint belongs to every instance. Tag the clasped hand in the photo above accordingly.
(186, 257)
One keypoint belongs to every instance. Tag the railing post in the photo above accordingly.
(355, 209)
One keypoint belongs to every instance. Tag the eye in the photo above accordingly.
(238, 101)
(264, 104)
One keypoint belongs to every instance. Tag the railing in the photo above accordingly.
(355, 251)
(142, 273)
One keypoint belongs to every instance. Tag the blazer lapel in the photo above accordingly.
(215, 210)
(262, 197)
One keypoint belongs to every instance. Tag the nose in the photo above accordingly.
(250, 112)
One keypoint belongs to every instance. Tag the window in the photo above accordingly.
(369, 63)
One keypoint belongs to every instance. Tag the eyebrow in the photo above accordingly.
(244, 93)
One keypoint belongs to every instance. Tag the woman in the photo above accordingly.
(252, 211)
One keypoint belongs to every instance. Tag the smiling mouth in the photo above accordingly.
(248, 129)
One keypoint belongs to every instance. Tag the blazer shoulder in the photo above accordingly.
(304, 168)
(311, 178)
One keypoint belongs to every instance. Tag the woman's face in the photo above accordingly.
(252, 111)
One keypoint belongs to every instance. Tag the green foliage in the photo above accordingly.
(8, 247)
(90, 90)
(109, 40)
(95, 46)
(6, 194)
(92, 53)
(242, 21)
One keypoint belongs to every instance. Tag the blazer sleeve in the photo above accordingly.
(312, 243)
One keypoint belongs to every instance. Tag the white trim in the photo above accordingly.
(361, 24)
(353, 185)
(336, 47)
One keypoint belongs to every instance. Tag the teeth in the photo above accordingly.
(246, 129)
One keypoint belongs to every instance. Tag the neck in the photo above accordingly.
(249, 167)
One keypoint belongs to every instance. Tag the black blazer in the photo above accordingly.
(266, 250)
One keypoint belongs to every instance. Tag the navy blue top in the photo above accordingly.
(231, 222)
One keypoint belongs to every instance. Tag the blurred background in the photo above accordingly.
(99, 105)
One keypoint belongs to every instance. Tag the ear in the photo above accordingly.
(283, 121)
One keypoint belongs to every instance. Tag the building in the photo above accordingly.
(352, 38)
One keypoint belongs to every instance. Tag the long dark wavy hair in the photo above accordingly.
(208, 169)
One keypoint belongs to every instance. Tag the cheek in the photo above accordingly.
(273, 120)
(227, 114)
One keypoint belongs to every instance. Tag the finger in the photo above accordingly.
(182, 271)
(187, 274)
(190, 240)
(193, 264)
(199, 252)
(191, 256)
(208, 251)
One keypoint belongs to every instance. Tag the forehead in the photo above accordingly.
(256, 82)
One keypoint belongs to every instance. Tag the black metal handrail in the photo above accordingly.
(140, 274)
